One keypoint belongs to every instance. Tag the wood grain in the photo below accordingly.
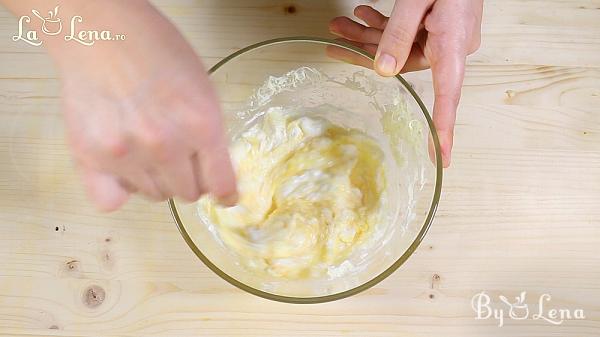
(519, 209)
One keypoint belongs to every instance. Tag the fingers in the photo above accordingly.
(145, 184)
(159, 181)
(399, 35)
(416, 60)
(450, 27)
(197, 169)
(349, 56)
(214, 171)
(448, 72)
(187, 179)
(369, 47)
(217, 174)
(164, 165)
(371, 17)
(180, 178)
(104, 190)
(352, 30)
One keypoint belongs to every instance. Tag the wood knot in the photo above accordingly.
(71, 268)
(510, 94)
(72, 265)
(431, 296)
(435, 280)
(107, 259)
(290, 9)
(93, 296)
(54, 327)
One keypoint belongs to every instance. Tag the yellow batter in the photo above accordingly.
(310, 192)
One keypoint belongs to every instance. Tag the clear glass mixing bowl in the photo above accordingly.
(319, 77)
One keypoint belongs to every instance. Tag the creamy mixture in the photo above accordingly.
(310, 192)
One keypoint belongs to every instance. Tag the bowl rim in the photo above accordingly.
(388, 271)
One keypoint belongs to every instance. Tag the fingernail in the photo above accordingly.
(386, 64)
(229, 200)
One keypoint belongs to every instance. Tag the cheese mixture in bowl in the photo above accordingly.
(310, 191)
(338, 171)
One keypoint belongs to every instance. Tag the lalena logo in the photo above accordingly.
(52, 25)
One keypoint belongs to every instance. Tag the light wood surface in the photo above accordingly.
(519, 210)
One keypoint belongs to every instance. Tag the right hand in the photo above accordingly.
(420, 34)
(142, 117)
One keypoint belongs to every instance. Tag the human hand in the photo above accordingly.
(142, 117)
(420, 34)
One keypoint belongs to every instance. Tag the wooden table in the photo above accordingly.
(519, 210)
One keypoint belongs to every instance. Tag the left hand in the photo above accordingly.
(418, 35)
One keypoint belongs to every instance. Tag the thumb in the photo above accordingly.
(218, 174)
(399, 35)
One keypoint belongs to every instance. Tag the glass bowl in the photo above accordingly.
(325, 78)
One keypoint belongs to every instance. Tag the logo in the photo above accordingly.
(52, 25)
(52, 20)
(519, 310)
